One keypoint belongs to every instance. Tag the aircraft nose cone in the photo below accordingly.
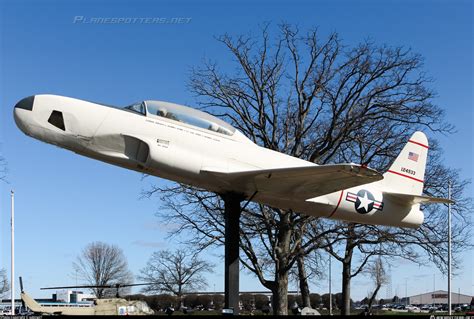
(26, 103)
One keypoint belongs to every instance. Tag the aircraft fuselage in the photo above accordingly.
(180, 150)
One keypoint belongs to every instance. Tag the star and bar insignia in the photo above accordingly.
(364, 201)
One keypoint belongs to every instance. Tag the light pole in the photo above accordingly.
(214, 296)
(12, 281)
(449, 249)
(330, 284)
(406, 291)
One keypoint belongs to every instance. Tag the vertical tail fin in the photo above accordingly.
(406, 175)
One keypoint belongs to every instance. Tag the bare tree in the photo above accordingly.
(313, 98)
(379, 276)
(175, 272)
(102, 264)
(309, 268)
(360, 244)
(4, 284)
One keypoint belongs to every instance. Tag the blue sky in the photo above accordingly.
(64, 201)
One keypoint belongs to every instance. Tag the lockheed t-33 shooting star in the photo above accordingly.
(189, 146)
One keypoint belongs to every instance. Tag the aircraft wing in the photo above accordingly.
(296, 182)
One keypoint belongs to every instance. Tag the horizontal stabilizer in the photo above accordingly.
(295, 182)
(415, 199)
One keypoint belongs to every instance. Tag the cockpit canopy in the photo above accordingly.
(182, 114)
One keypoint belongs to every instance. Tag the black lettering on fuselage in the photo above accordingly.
(408, 171)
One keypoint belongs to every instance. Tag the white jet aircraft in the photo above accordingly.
(185, 145)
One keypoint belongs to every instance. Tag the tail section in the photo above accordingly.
(396, 199)
(403, 182)
(31, 303)
(406, 175)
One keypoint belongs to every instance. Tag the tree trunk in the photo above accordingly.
(371, 301)
(303, 282)
(280, 295)
(346, 275)
(180, 297)
(346, 289)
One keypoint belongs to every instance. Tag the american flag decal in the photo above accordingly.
(413, 156)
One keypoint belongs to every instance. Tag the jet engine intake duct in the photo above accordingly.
(136, 149)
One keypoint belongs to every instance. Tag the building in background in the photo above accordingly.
(439, 297)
